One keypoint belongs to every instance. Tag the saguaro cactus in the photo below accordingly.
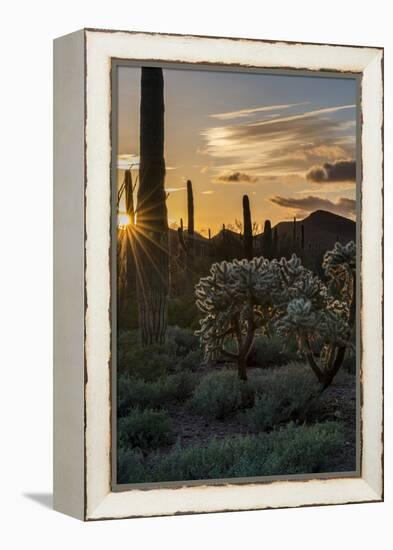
(151, 242)
(125, 258)
(302, 236)
(190, 208)
(247, 228)
(187, 245)
(267, 240)
(294, 234)
(190, 222)
(275, 241)
(129, 195)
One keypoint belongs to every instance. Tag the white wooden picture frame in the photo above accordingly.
(82, 251)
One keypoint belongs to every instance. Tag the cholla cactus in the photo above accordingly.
(320, 317)
(235, 299)
(339, 265)
(240, 297)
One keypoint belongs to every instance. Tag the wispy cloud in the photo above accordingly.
(253, 110)
(174, 189)
(301, 116)
(126, 161)
(208, 192)
(343, 206)
(283, 146)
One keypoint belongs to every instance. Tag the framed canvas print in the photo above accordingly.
(218, 274)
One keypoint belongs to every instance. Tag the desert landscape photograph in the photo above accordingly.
(236, 304)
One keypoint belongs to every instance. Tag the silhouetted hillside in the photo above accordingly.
(322, 230)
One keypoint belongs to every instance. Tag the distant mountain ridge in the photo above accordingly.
(322, 229)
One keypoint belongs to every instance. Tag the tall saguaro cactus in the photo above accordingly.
(190, 208)
(151, 243)
(294, 234)
(275, 242)
(187, 245)
(126, 278)
(190, 221)
(247, 225)
(129, 195)
(267, 240)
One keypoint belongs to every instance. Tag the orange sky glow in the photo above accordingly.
(288, 142)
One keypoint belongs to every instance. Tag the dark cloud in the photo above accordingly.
(343, 206)
(341, 170)
(236, 177)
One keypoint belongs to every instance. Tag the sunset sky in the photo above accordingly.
(289, 142)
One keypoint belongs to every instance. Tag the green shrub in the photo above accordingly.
(146, 363)
(130, 466)
(290, 450)
(349, 363)
(192, 361)
(281, 395)
(132, 392)
(271, 352)
(183, 312)
(145, 429)
(183, 340)
(220, 394)
(181, 351)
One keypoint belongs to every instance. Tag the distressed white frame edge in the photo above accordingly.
(101, 503)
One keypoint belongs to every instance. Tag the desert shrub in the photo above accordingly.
(192, 361)
(183, 340)
(281, 395)
(220, 394)
(132, 392)
(130, 466)
(290, 450)
(183, 312)
(180, 352)
(148, 364)
(271, 352)
(349, 363)
(145, 429)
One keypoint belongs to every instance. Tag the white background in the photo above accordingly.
(28, 27)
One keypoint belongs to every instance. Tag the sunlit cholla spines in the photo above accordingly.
(244, 298)
(235, 299)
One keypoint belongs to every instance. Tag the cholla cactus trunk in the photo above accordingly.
(235, 300)
(151, 242)
(247, 225)
(340, 265)
(321, 317)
